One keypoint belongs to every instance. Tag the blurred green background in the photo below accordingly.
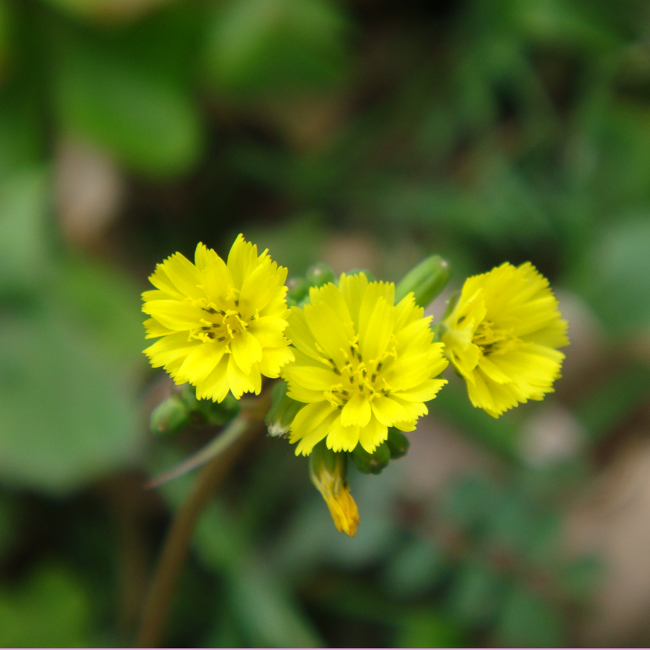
(363, 133)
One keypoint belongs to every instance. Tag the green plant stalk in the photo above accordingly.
(155, 612)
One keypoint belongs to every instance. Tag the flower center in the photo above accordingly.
(365, 377)
(220, 324)
(491, 339)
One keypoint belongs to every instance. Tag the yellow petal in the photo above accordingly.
(201, 361)
(353, 288)
(173, 314)
(215, 386)
(300, 335)
(239, 381)
(183, 275)
(329, 331)
(155, 329)
(388, 411)
(242, 259)
(342, 438)
(424, 392)
(356, 413)
(311, 377)
(274, 359)
(376, 331)
(308, 418)
(169, 348)
(372, 435)
(246, 350)
(307, 443)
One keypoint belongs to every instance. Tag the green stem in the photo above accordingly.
(158, 601)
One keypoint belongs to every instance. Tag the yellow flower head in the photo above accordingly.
(221, 323)
(362, 364)
(502, 337)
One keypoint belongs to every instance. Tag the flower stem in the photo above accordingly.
(157, 604)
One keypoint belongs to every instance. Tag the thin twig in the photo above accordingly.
(172, 558)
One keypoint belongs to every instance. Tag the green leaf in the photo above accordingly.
(24, 199)
(476, 593)
(126, 102)
(266, 45)
(429, 629)
(528, 621)
(67, 409)
(615, 277)
(50, 609)
(266, 610)
(415, 569)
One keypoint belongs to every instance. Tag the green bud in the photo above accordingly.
(426, 280)
(218, 414)
(298, 289)
(188, 395)
(319, 274)
(397, 442)
(371, 463)
(369, 274)
(283, 410)
(169, 417)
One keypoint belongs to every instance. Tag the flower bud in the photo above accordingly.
(426, 280)
(397, 442)
(297, 290)
(169, 417)
(319, 274)
(327, 473)
(374, 463)
(283, 410)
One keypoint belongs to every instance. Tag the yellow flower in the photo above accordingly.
(502, 337)
(327, 473)
(221, 323)
(362, 364)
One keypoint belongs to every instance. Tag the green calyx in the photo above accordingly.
(426, 281)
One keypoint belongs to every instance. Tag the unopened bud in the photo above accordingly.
(282, 412)
(327, 473)
(426, 281)
(397, 442)
(371, 463)
(319, 274)
(297, 290)
(169, 417)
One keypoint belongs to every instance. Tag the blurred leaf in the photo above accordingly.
(528, 621)
(24, 199)
(50, 609)
(266, 611)
(21, 136)
(615, 278)
(105, 302)
(583, 576)
(415, 569)
(7, 524)
(107, 10)
(476, 594)
(272, 45)
(566, 23)
(126, 103)
(67, 413)
(429, 629)
(614, 399)
(6, 37)
(470, 501)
